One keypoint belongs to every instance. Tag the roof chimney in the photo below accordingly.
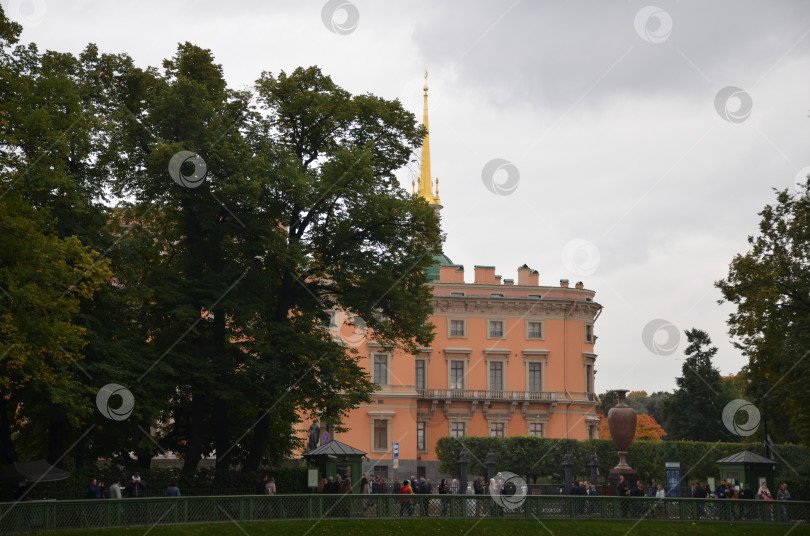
(523, 274)
(485, 275)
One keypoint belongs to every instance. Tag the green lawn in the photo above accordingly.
(431, 527)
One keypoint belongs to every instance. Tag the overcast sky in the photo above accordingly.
(636, 170)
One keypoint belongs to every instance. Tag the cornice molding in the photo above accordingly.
(483, 306)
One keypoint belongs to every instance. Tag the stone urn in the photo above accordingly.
(622, 424)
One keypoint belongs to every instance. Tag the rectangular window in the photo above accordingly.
(588, 333)
(456, 328)
(535, 377)
(420, 374)
(457, 375)
(381, 369)
(589, 378)
(535, 296)
(381, 470)
(496, 376)
(496, 295)
(496, 328)
(536, 429)
(380, 434)
(535, 330)
(420, 436)
(497, 429)
(457, 294)
(591, 431)
(457, 429)
(332, 319)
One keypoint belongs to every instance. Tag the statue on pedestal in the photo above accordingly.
(314, 436)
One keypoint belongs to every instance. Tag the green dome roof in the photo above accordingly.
(432, 271)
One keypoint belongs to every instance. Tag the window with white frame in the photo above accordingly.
(458, 429)
(380, 434)
(497, 429)
(593, 431)
(420, 374)
(536, 429)
(456, 374)
(535, 376)
(534, 329)
(421, 440)
(380, 369)
(332, 319)
(588, 333)
(496, 375)
(496, 329)
(458, 328)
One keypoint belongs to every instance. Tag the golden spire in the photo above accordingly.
(425, 179)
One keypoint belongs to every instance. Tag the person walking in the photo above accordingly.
(444, 489)
(783, 495)
(365, 489)
(406, 504)
(345, 502)
(270, 487)
(478, 489)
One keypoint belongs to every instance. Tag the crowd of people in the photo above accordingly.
(716, 506)
(726, 490)
(136, 487)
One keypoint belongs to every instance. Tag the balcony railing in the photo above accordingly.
(479, 394)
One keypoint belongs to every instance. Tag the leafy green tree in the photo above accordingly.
(769, 286)
(694, 410)
(48, 265)
(300, 212)
(207, 302)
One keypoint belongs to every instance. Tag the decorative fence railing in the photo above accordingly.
(34, 516)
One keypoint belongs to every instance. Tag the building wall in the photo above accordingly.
(564, 407)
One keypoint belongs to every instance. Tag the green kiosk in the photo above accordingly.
(747, 468)
(336, 458)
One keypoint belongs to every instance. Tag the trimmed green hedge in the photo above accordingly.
(541, 458)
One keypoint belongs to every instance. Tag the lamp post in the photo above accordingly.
(463, 462)
(490, 466)
(568, 466)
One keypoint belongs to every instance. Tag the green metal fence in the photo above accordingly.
(33, 516)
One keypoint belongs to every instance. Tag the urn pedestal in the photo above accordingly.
(622, 424)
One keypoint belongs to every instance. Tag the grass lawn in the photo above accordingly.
(447, 527)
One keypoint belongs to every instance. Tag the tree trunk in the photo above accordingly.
(257, 445)
(57, 434)
(196, 434)
(7, 452)
(222, 445)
